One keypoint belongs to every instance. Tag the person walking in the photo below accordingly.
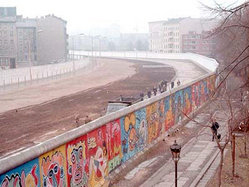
(214, 127)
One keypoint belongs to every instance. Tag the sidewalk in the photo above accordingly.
(196, 156)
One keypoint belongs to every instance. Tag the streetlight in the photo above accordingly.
(29, 52)
(175, 150)
(82, 34)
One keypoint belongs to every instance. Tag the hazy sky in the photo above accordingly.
(131, 15)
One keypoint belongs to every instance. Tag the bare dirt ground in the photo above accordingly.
(102, 72)
(241, 167)
(30, 125)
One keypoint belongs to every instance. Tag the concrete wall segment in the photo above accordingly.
(28, 154)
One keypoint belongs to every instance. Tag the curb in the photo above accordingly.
(205, 169)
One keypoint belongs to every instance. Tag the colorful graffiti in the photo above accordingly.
(53, 168)
(134, 133)
(88, 159)
(169, 109)
(129, 136)
(25, 175)
(97, 156)
(152, 117)
(195, 96)
(187, 100)
(179, 106)
(77, 166)
(211, 84)
(141, 128)
(114, 144)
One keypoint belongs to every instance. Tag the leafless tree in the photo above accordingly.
(232, 53)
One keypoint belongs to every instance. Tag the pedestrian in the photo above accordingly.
(155, 90)
(149, 94)
(142, 96)
(214, 127)
(178, 83)
(172, 85)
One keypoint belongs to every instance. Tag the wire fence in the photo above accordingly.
(29, 74)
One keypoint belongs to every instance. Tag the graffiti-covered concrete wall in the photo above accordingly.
(95, 150)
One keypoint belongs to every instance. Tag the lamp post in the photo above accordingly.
(29, 52)
(73, 40)
(175, 150)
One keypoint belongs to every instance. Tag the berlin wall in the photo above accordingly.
(85, 156)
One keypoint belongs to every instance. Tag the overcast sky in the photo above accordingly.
(131, 15)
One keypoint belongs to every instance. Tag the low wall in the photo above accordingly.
(204, 62)
(19, 75)
(86, 155)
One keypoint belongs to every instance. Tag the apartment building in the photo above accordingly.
(31, 41)
(172, 35)
(202, 43)
(52, 39)
(26, 30)
(165, 36)
(7, 36)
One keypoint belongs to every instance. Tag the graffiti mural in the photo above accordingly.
(141, 128)
(195, 96)
(178, 106)
(203, 91)
(97, 156)
(88, 159)
(211, 84)
(161, 113)
(22, 176)
(187, 100)
(169, 109)
(129, 136)
(77, 167)
(114, 144)
(152, 117)
(53, 168)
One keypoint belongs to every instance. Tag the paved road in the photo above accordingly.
(186, 71)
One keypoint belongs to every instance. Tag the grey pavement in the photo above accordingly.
(195, 159)
(186, 71)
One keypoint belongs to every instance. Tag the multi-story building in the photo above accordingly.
(7, 36)
(26, 40)
(31, 41)
(202, 43)
(165, 36)
(170, 36)
(52, 39)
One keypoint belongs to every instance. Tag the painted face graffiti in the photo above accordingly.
(53, 172)
(13, 181)
(16, 181)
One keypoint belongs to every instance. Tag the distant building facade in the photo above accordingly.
(198, 43)
(26, 30)
(7, 35)
(52, 39)
(36, 41)
(173, 35)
